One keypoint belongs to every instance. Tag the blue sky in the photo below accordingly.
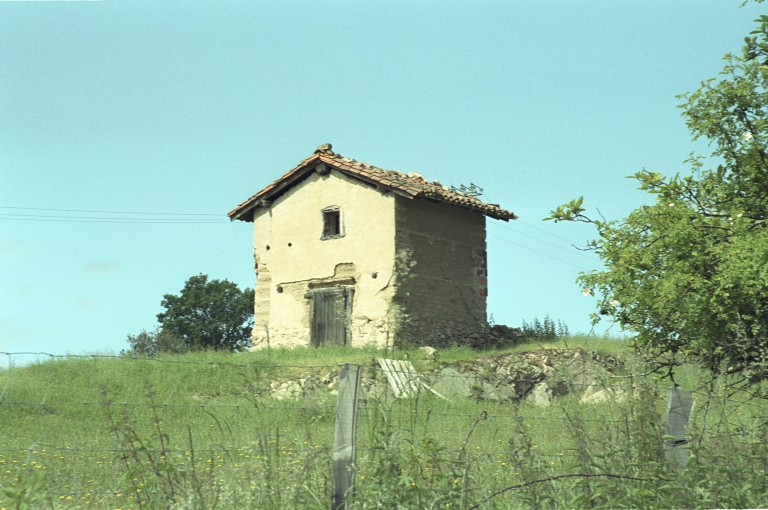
(187, 109)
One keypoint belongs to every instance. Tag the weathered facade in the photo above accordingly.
(350, 254)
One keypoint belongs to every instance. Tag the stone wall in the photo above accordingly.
(442, 298)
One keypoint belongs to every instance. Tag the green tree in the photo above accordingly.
(689, 273)
(155, 342)
(213, 314)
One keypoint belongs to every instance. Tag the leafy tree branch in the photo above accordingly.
(689, 272)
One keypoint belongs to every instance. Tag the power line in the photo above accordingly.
(96, 216)
(106, 218)
(112, 212)
(546, 232)
(535, 228)
(539, 252)
(569, 250)
(139, 221)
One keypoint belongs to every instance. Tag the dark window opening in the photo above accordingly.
(331, 223)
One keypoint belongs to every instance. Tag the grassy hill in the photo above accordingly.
(211, 429)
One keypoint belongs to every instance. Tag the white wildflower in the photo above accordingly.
(585, 292)
(747, 136)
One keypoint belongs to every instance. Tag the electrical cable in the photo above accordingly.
(109, 212)
(127, 221)
(570, 250)
(534, 227)
(539, 252)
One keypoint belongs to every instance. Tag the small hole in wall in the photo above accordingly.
(375, 275)
(289, 245)
(267, 247)
(279, 289)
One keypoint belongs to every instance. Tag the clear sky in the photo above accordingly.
(178, 111)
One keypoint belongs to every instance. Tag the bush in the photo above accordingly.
(546, 330)
(158, 341)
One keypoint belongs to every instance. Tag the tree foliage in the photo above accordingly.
(155, 342)
(213, 314)
(689, 273)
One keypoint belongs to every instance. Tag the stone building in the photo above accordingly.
(350, 254)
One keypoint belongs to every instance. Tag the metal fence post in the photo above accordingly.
(679, 403)
(344, 441)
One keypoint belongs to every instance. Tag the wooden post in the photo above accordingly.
(679, 403)
(345, 441)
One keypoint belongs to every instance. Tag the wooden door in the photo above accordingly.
(330, 315)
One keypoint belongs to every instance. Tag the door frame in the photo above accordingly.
(345, 294)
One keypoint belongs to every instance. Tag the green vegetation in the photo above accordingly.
(545, 330)
(205, 430)
(689, 273)
(206, 314)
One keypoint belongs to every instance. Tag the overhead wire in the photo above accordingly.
(518, 220)
(108, 212)
(96, 216)
(186, 219)
(106, 220)
(572, 250)
(531, 225)
(539, 252)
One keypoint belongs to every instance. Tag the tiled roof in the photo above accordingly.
(411, 185)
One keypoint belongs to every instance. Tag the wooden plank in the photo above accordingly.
(345, 441)
(397, 373)
(401, 375)
(334, 303)
(349, 298)
(679, 403)
(386, 367)
(404, 385)
(402, 380)
(313, 333)
(413, 377)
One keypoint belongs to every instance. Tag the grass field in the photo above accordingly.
(202, 431)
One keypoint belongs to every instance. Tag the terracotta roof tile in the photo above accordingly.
(411, 184)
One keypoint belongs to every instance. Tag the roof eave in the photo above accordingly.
(264, 198)
(286, 181)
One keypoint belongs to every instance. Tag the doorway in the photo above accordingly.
(330, 315)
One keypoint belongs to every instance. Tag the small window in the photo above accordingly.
(332, 223)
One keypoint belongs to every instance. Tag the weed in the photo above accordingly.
(206, 433)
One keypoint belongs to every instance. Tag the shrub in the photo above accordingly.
(156, 342)
(546, 330)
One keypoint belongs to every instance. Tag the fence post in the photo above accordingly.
(679, 403)
(344, 441)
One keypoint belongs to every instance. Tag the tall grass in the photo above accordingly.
(202, 431)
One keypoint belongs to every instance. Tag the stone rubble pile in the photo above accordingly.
(536, 376)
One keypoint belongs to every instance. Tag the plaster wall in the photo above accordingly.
(444, 299)
(290, 258)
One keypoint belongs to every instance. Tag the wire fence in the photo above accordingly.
(121, 432)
